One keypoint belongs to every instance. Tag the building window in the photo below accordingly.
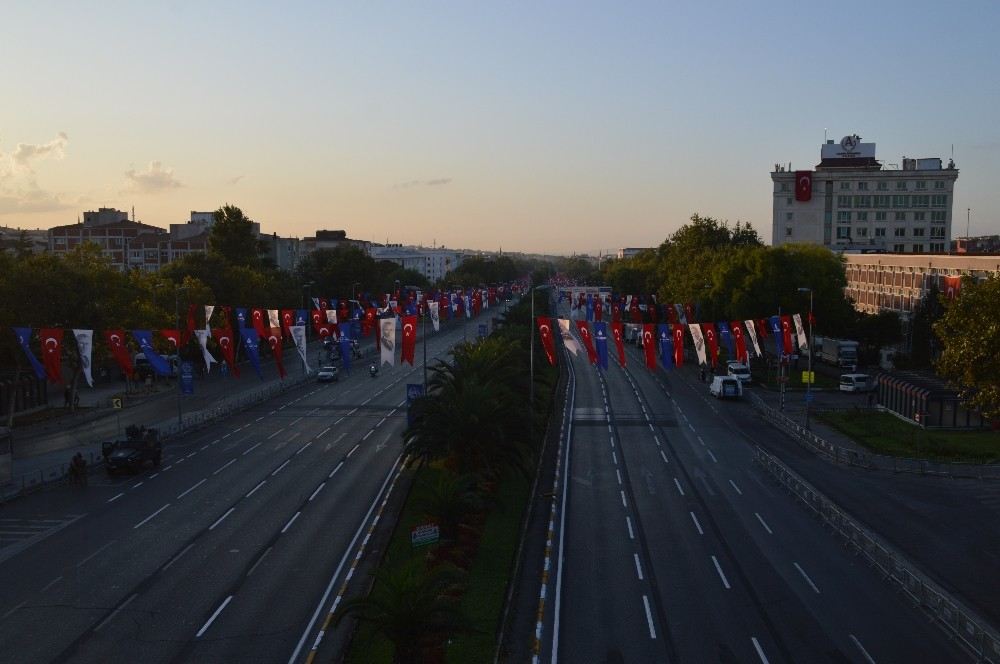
(845, 186)
(844, 233)
(788, 231)
(918, 232)
(880, 216)
(899, 248)
(844, 201)
(939, 184)
(882, 201)
(788, 216)
(921, 201)
(862, 186)
(900, 216)
(918, 249)
(901, 201)
(939, 200)
(937, 247)
(882, 186)
(921, 185)
(938, 217)
(901, 185)
(862, 232)
(879, 232)
(843, 217)
(899, 232)
(937, 233)
(919, 216)
(784, 186)
(788, 201)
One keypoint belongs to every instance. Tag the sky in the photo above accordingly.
(550, 127)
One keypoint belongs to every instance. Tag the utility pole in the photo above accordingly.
(180, 388)
(809, 382)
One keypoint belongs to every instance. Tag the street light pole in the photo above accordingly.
(180, 387)
(531, 365)
(810, 359)
(423, 333)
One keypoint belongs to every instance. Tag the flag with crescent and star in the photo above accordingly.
(408, 349)
(649, 345)
(708, 329)
(803, 186)
(52, 352)
(548, 344)
(174, 338)
(116, 343)
(287, 320)
(145, 340)
(588, 343)
(224, 337)
(678, 331)
(617, 331)
(741, 343)
(274, 341)
(786, 334)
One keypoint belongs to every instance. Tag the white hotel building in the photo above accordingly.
(852, 203)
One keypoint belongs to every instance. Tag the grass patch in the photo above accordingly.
(487, 581)
(823, 381)
(883, 433)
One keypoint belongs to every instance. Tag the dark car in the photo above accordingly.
(141, 445)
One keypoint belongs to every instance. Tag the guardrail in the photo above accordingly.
(861, 459)
(960, 621)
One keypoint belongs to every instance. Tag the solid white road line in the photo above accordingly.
(227, 465)
(665, 459)
(696, 524)
(318, 489)
(151, 516)
(353, 450)
(806, 577)
(250, 449)
(628, 523)
(291, 521)
(718, 568)
(279, 468)
(862, 649)
(259, 560)
(624, 504)
(678, 485)
(760, 651)
(253, 490)
(712, 455)
(111, 500)
(303, 448)
(736, 487)
(115, 612)
(649, 617)
(221, 518)
(214, 616)
(638, 566)
(761, 519)
(177, 557)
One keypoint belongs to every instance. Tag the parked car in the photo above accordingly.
(328, 374)
(857, 382)
(739, 371)
(130, 455)
(726, 387)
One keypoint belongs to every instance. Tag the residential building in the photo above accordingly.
(330, 240)
(982, 245)
(284, 251)
(630, 252)
(108, 228)
(35, 241)
(432, 263)
(853, 202)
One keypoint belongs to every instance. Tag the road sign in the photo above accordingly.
(809, 377)
(187, 377)
(117, 402)
(810, 396)
(413, 392)
(425, 534)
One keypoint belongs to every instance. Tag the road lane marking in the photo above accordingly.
(806, 577)
(862, 649)
(227, 465)
(4, 616)
(253, 490)
(303, 448)
(690, 426)
(152, 476)
(760, 651)
(166, 468)
(115, 612)
(323, 432)
(665, 460)
(136, 486)
(275, 433)
(295, 421)
(712, 455)
(696, 524)
(614, 457)
(191, 455)
(214, 616)
(192, 488)
(638, 566)
(291, 521)
(150, 516)
(370, 432)
(736, 487)
(619, 474)
(678, 485)
(718, 568)
(334, 471)
(91, 556)
(259, 418)
(701, 441)
(761, 519)
(52, 583)
(111, 500)
(353, 450)
(221, 518)
(251, 449)
(628, 523)
(259, 560)
(318, 489)
(177, 557)
(279, 468)
(657, 439)
(649, 617)
(624, 504)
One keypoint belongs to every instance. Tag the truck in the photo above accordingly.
(141, 445)
(842, 353)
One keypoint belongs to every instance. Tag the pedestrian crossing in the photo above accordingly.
(18, 533)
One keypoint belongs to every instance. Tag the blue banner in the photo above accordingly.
(666, 346)
(241, 317)
(24, 338)
(187, 378)
(727, 338)
(251, 342)
(413, 392)
(157, 361)
(601, 342)
(590, 307)
(774, 322)
(301, 317)
(345, 350)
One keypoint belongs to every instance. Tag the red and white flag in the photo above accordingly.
(741, 344)
(952, 287)
(174, 337)
(588, 342)
(224, 337)
(678, 330)
(274, 340)
(713, 343)
(617, 331)
(287, 320)
(649, 345)
(409, 347)
(548, 344)
(257, 316)
(803, 186)
(52, 352)
(116, 343)
(786, 333)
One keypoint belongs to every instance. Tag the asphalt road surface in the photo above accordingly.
(675, 547)
(225, 552)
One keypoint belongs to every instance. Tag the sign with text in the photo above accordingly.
(187, 377)
(425, 534)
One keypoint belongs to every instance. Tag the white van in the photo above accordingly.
(856, 382)
(726, 387)
(739, 370)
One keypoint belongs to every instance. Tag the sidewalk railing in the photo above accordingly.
(851, 457)
(960, 621)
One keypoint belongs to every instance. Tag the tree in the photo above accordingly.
(970, 333)
(450, 501)
(233, 238)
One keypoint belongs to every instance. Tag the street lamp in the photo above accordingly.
(180, 385)
(811, 349)
(531, 361)
(307, 292)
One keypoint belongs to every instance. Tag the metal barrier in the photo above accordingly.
(960, 621)
(850, 457)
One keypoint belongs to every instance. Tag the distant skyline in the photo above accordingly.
(555, 128)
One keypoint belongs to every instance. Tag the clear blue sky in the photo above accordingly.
(564, 127)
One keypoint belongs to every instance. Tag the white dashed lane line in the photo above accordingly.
(697, 524)
(251, 449)
(678, 485)
(736, 487)
(189, 490)
(718, 568)
(281, 467)
(148, 518)
(221, 518)
(224, 466)
(291, 521)
(215, 615)
(254, 490)
(761, 519)
(806, 577)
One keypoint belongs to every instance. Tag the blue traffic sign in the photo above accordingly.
(187, 377)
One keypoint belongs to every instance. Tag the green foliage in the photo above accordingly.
(481, 271)
(970, 333)
(582, 269)
(232, 237)
(876, 331)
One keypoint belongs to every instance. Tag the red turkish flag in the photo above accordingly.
(689, 312)
(409, 347)
(545, 332)
(678, 330)
(786, 333)
(224, 337)
(617, 331)
(649, 345)
(588, 342)
(952, 287)
(598, 310)
(762, 330)
(803, 186)
(258, 316)
(713, 342)
(274, 340)
(616, 312)
(318, 318)
(116, 343)
(52, 352)
(174, 337)
(741, 343)
(634, 310)
(368, 323)
(189, 330)
(287, 320)
(324, 304)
